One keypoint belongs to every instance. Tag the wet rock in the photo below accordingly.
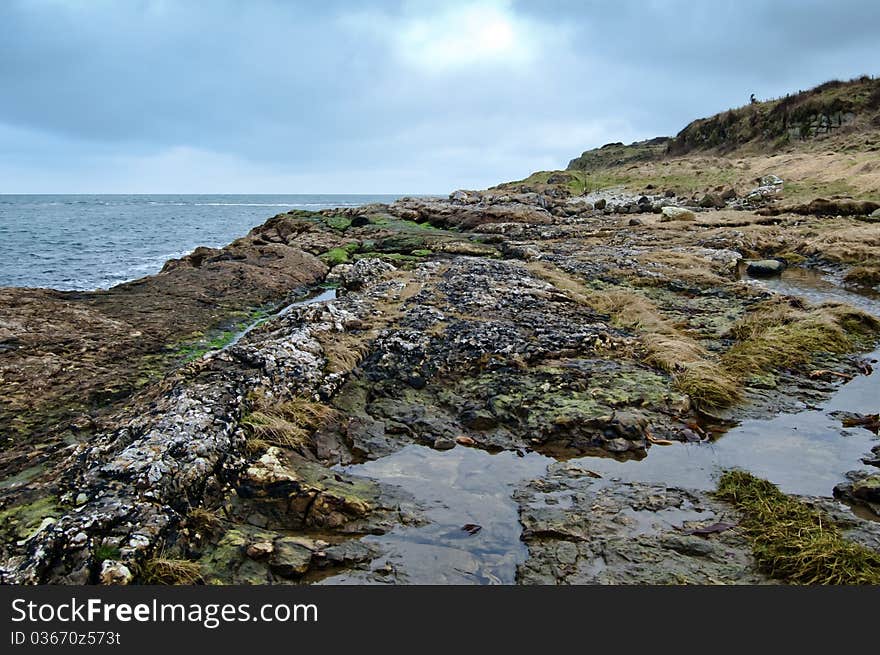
(289, 558)
(765, 267)
(862, 488)
(626, 533)
(600, 204)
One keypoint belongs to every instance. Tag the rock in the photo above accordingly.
(600, 204)
(478, 420)
(559, 178)
(365, 272)
(765, 267)
(863, 488)
(442, 443)
(629, 425)
(867, 489)
(728, 194)
(711, 201)
(115, 573)
(635, 221)
(770, 180)
(289, 557)
(669, 193)
(677, 214)
(617, 532)
(260, 549)
(875, 213)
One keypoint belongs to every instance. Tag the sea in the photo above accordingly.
(86, 242)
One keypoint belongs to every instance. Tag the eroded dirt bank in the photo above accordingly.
(543, 327)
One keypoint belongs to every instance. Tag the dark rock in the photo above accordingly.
(289, 558)
(601, 203)
(442, 443)
(635, 221)
(765, 267)
(711, 201)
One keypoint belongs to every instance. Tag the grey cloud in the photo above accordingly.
(324, 93)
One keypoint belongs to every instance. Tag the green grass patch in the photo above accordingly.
(794, 542)
(105, 551)
(340, 255)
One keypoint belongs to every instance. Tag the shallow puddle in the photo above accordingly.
(806, 453)
(458, 488)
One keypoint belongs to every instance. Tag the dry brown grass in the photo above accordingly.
(284, 423)
(863, 275)
(843, 240)
(688, 268)
(344, 350)
(777, 334)
(169, 571)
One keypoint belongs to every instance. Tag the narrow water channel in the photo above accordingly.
(321, 295)
(807, 453)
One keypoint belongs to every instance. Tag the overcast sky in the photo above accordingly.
(235, 96)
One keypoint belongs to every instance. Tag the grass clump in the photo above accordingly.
(284, 423)
(778, 334)
(792, 541)
(170, 571)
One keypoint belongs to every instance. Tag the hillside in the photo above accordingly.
(822, 142)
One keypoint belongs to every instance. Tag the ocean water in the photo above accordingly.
(90, 242)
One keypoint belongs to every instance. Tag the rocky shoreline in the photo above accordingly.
(501, 320)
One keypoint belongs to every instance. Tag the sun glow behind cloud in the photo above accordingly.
(457, 37)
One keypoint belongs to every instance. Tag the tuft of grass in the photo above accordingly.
(707, 384)
(168, 571)
(284, 423)
(792, 541)
(778, 335)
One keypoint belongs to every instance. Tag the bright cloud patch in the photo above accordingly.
(460, 36)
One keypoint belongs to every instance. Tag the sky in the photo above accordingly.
(272, 96)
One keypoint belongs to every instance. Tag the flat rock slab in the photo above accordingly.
(584, 530)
